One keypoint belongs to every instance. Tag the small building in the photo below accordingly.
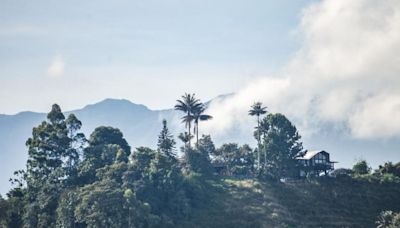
(315, 163)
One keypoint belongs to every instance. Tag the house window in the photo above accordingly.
(320, 159)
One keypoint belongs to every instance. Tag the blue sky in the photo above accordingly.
(150, 52)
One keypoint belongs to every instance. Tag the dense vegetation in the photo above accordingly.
(100, 181)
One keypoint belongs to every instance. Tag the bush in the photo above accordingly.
(361, 168)
(388, 219)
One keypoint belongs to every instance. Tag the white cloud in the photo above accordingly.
(347, 71)
(378, 115)
(57, 67)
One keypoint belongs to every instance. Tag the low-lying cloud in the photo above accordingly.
(346, 73)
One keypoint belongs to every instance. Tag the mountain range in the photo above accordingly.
(141, 126)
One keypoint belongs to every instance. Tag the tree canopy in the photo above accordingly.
(281, 144)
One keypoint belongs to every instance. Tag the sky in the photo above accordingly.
(323, 63)
(79, 52)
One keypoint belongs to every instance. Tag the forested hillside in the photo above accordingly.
(327, 202)
(74, 180)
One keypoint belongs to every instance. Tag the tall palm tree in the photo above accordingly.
(257, 110)
(187, 105)
(198, 115)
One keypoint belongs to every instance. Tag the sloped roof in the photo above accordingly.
(310, 154)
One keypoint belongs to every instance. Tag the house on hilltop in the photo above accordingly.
(315, 163)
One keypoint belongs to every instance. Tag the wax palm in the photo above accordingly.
(198, 115)
(187, 105)
(258, 110)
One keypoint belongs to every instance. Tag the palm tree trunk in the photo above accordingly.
(189, 126)
(258, 140)
(197, 132)
(265, 152)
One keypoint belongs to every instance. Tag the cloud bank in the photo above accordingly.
(347, 73)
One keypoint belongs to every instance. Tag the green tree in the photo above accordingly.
(141, 159)
(257, 110)
(198, 161)
(281, 144)
(188, 105)
(157, 180)
(388, 219)
(226, 154)
(16, 201)
(390, 168)
(166, 142)
(103, 204)
(166, 181)
(3, 212)
(185, 138)
(12, 209)
(66, 210)
(238, 160)
(75, 151)
(50, 165)
(245, 161)
(206, 145)
(109, 135)
(106, 146)
(361, 168)
(47, 148)
(139, 213)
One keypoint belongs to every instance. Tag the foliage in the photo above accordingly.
(361, 168)
(47, 148)
(388, 219)
(239, 161)
(157, 180)
(74, 182)
(198, 161)
(3, 210)
(281, 144)
(52, 163)
(105, 147)
(105, 204)
(109, 135)
(390, 168)
(188, 105)
(206, 145)
(166, 142)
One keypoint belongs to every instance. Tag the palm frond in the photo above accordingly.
(257, 109)
(205, 117)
